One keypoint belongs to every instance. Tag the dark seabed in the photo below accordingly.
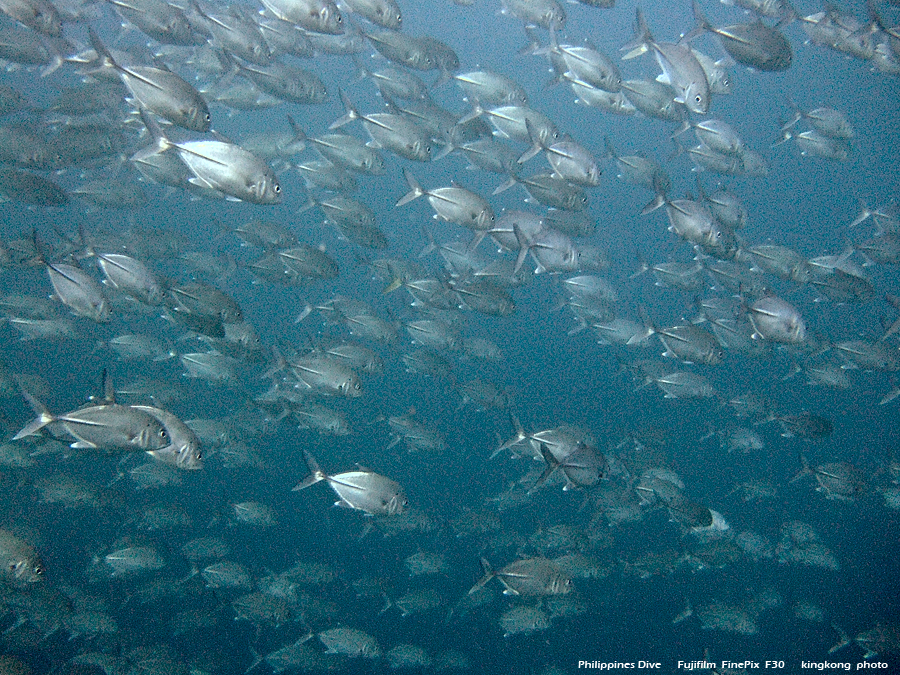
(669, 436)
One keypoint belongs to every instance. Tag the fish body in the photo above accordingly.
(110, 426)
(362, 490)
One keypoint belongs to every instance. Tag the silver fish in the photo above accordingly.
(183, 450)
(777, 320)
(384, 13)
(753, 44)
(319, 16)
(20, 563)
(222, 167)
(362, 490)
(529, 576)
(111, 426)
(160, 91)
(679, 66)
(453, 204)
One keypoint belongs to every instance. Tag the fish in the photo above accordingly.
(159, 20)
(384, 13)
(222, 168)
(523, 620)
(326, 376)
(110, 426)
(133, 560)
(569, 160)
(582, 466)
(22, 566)
(160, 91)
(29, 188)
(527, 577)
(362, 490)
(584, 64)
(776, 320)
(753, 44)
(78, 291)
(680, 68)
(453, 204)
(227, 574)
(286, 82)
(488, 88)
(349, 642)
(319, 16)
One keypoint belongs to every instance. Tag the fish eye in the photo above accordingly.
(277, 189)
(13, 566)
(38, 569)
(357, 386)
(207, 117)
(698, 99)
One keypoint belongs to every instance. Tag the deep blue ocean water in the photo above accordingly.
(550, 376)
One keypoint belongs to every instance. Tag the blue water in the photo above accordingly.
(551, 377)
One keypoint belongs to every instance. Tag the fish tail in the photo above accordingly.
(477, 111)
(102, 52)
(299, 134)
(432, 245)
(649, 328)
(56, 58)
(44, 417)
(504, 186)
(843, 640)
(702, 22)
(642, 38)
(350, 112)
(536, 143)
(552, 465)
(160, 142)
(488, 575)
(805, 471)
(524, 248)
(415, 190)
(315, 473)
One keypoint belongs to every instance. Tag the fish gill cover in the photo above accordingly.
(586, 314)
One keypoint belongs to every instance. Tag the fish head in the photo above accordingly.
(420, 150)
(397, 504)
(795, 328)
(485, 219)
(26, 570)
(329, 19)
(153, 436)
(267, 190)
(189, 456)
(373, 165)
(351, 387)
(389, 15)
(261, 53)
(197, 118)
(554, 16)
(696, 97)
